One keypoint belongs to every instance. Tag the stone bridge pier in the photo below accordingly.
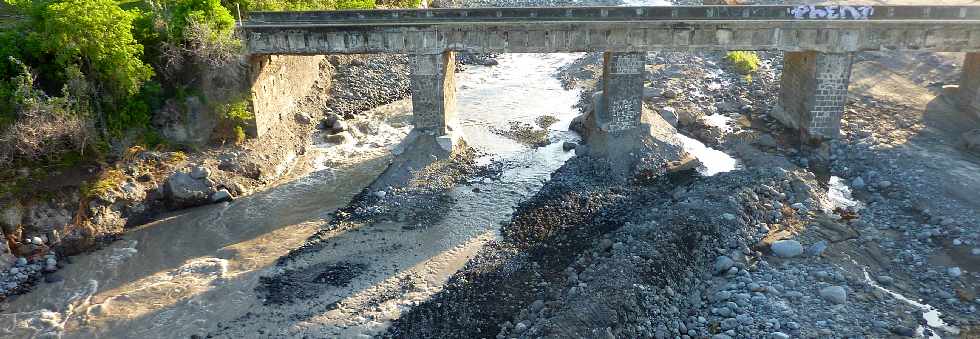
(433, 92)
(812, 93)
(969, 92)
(621, 103)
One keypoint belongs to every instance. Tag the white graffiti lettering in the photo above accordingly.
(833, 12)
(627, 64)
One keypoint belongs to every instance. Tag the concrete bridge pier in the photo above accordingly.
(813, 91)
(433, 92)
(619, 108)
(969, 91)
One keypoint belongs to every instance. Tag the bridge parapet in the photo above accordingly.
(819, 41)
(834, 29)
(611, 14)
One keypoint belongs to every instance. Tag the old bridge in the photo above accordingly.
(818, 41)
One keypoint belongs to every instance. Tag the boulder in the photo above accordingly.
(221, 195)
(834, 294)
(817, 248)
(200, 172)
(670, 115)
(302, 118)
(568, 146)
(971, 140)
(786, 248)
(328, 121)
(723, 264)
(183, 190)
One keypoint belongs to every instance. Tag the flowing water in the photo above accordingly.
(930, 314)
(196, 272)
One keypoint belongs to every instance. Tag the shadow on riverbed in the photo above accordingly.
(544, 237)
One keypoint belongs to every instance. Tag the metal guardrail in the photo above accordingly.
(945, 14)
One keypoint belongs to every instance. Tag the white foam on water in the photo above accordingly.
(931, 315)
(712, 161)
(840, 196)
(720, 121)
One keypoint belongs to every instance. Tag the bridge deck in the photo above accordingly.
(574, 29)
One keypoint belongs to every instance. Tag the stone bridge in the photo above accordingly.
(818, 41)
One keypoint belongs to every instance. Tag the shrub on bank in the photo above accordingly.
(235, 119)
(300, 5)
(745, 62)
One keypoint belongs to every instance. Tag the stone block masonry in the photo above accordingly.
(433, 91)
(819, 42)
(622, 88)
(813, 91)
(278, 82)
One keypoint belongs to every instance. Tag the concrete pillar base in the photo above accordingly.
(969, 90)
(813, 91)
(620, 105)
(433, 92)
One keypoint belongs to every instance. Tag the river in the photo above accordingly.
(188, 273)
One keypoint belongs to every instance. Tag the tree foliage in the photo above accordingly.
(301, 5)
(97, 35)
(209, 12)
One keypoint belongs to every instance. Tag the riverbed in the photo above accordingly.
(190, 273)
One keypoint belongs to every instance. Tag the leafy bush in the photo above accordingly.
(235, 117)
(399, 3)
(85, 47)
(305, 5)
(355, 4)
(745, 62)
(211, 13)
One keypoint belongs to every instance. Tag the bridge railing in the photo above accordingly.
(613, 14)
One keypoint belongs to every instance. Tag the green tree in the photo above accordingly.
(209, 12)
(97, 35)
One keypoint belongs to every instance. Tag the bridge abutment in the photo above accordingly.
(620, 106)
(433, 92)
(813, 91)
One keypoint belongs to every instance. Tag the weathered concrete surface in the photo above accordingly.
(433, 92)
(617, 29)
(650, 148)
(622, 88)
(813, 91)
(969, 91)
(278, 81)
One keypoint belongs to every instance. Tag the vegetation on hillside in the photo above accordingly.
(79, 76)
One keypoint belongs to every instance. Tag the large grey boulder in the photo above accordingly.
(834, 294)
(786, 248)
(183, 190)
(971, 140)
